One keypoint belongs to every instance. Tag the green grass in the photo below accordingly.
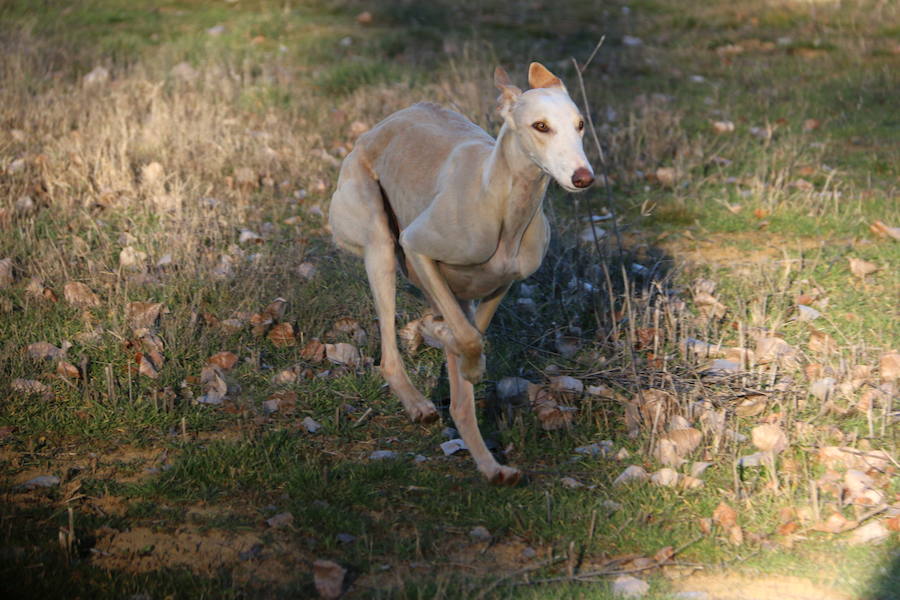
(280, 85)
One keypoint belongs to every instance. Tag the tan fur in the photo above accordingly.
(463, 212)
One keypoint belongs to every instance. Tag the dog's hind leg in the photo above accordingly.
(360, 223)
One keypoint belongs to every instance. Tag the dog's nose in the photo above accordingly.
(582, 178)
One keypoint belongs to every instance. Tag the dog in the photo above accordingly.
(462, 215)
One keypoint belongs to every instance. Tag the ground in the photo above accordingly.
(158, 422)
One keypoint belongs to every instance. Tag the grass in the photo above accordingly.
(249, 137)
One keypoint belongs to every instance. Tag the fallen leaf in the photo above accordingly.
(889, 365)
(667, 176)
(823, 389)
(364, 18)
(721, 127)
(343, 354)
(821, 342)
(632, 473)
(329, 579)
(665, 477)
(44, 351)
(835, 523)
(751, 406)
(571, 482)
(725, 516)
(224, 360)
(811, 124)
(769, 438)
(873, 532)
(30, 387)
(549, 413)
(313, 351)
(142, 315)
(130, 258)
(260, 323)
(275, 310)
(282, 335)
(685, 440)
(6, 272)
(284, 401)
(861, 268)
(78, 294)
(774, 349)
(68, 370)
(882, 230)
(146, 366)
(212, 382)
(564, 383)
(736, 535)
(280, 520)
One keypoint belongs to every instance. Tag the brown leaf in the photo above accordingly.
(67, 369)
(282, 335)
(364, 18)
(30, 387)
(893, 524)
(212, 382)
(142, 315)
(667, 176)
(821, 342)
(313, 351)
(276, 309)
(286, 400)
(655, 407)
(259, 323)
(774, 349)
(705, 525)
(548, 412)
(788, 528)
(44, 351)
(664, 554)
(889, 365)
(78, 294)
(751, 406)
(411, 336)
(224, 360)
(329, 579)
(343, 354)
(736, 535)
(146, 366)
(835, 523)
(811, 124)
(686, 440)
(882, 230)
(725, 516)
(6, 272)
(769, 438)
(721, 127)
(861, 268)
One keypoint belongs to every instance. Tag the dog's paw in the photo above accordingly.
(506, 476)
(472, 367)
(423, 413)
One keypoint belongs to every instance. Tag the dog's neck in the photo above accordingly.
(515, 182)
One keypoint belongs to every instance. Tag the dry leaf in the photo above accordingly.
(725, 516)
(6, 272)
(882, 230)
(146, 366)
(78, 294)
(736, 535)
(275, 310)
(633, 473)
(769, 438)
(224, 360)
(667, 454)
(411, 336)
(709, 306)
(821, 342)
(665, 477)
(667, 176)
(343, 354)
(284, 401)
(775, 349)
(313, 351)
(282, 335)
(823, 389)
(547, 410)
(329, 579)
(30, 387)
(811, 124)
(889, 365)
(690, 482)
(352, 327)
(655, 408)
(564, 383)
(873, 532)
(364, 18)
(44, 351)
(129, 258)
(68, 370)
(212, 382)
(685, 440)
(142, 315)
(861, 268)
(751, 406)
(260, 323)
(721, 127)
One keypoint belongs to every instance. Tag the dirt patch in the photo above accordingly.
(247, 556)
(763, 587)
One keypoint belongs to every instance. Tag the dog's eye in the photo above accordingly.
(580, 125)
(540, 126)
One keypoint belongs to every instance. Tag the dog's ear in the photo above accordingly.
(540, 77)
(508, 93)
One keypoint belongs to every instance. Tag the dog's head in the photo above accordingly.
(549, 126)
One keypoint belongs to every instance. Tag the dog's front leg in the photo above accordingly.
(462, 409)
(467, 340)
